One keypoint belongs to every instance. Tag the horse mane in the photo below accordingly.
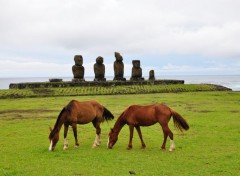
(121, 117)
(70, 105)
(126, 111)
(55, 129)
(119, 123)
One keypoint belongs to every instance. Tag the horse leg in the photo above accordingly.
(65, 137)
(140, 136)
(172, 145)
(97, 141)
(167, 132)
(131, 129)
(74, 126)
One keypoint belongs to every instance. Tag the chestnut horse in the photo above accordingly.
(136, 116)
(79, 113)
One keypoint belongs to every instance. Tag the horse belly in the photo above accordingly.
(144, 121)
(84, 118)
(83, 121)
(147, 117)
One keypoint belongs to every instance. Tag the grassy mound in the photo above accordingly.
(111, 90)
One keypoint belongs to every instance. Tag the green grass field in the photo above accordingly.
(210, 147)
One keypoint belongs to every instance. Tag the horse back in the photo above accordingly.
(147, 115)
(84, 112)
(140, 115)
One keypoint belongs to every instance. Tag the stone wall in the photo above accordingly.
(30, 85)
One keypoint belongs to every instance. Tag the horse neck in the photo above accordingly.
(57, 128)
(59, 122)
(119, 124)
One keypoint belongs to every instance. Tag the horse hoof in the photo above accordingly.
(94, 146)
(129, 148)
(170, 150)
(65, 148)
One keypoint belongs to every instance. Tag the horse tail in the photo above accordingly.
(179, 122)
(107, 115)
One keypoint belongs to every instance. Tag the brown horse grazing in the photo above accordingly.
(136, 116)
(79, 113)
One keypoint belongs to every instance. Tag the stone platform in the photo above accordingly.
(31, 85)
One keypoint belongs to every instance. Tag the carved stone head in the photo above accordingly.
(151, 75)
(118, 57)
(99, 60)
(136, 63)
(78, 60)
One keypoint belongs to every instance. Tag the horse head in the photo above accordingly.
(53, 137)
(113, 137)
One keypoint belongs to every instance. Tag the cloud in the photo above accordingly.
(211, 69)
(33, 69)
(54, 31)
(133, 26)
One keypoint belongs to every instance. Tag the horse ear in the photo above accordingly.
(50, 128)
(111, 130)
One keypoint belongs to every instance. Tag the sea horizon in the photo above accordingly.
(230, 81)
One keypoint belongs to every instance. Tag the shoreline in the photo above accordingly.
(109, 90)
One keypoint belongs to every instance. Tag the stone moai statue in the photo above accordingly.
(151, 75)
(99, 69)
(118, 68)
(136, 71)
(78, 69)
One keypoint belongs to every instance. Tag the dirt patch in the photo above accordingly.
(25, 114)
(235, 111)
(203, 111)
(27, 111)
(199, 111)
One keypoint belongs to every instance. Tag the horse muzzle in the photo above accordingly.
(51, 149)
(110, 146)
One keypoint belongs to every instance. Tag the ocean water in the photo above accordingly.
(230, 81)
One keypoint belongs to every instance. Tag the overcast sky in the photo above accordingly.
(173, 37)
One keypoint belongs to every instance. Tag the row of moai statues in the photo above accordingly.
(99, 69)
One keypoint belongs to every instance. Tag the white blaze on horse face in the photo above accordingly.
(50, 147)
